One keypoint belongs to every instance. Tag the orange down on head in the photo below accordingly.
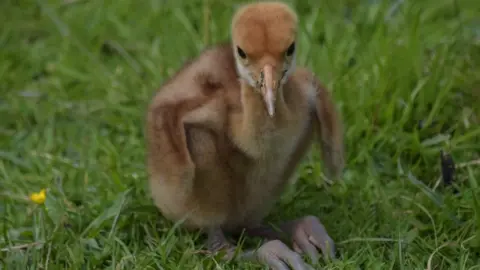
(263, 37)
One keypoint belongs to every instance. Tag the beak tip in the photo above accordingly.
(269, 100)
(271, 112)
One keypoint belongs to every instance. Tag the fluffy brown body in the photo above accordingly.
(216, 158)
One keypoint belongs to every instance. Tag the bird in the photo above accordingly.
(225, 133)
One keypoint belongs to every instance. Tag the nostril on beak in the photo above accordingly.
(261, 79)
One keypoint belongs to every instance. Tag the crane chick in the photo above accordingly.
(226, 132)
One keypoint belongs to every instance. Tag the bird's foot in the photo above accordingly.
(307, 235)
(273, 253)
(278, 256)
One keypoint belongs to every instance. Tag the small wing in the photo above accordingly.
(327, 123)
(192, 97)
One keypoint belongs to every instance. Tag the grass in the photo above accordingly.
(76, 77)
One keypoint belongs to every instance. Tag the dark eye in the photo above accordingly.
(241, 53)
(290, 49)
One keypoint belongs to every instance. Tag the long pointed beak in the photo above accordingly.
(269, 96)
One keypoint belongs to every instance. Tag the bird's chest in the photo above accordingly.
(276, 142)
(266, 179)
(276, 147)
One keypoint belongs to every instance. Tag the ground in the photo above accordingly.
(76, 77)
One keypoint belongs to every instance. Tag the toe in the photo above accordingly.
(276, 264)
(295, 261)
(319, 236)
(276, 254)
(301, 241)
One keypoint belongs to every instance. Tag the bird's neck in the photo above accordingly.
(255, 113)
(253, 130)
(256, 132)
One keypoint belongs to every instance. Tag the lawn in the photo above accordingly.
(76, 77)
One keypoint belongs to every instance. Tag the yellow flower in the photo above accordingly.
(38, 197)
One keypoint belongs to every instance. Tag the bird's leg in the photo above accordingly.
(306, 234)
(217, 241)
(273, 253)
